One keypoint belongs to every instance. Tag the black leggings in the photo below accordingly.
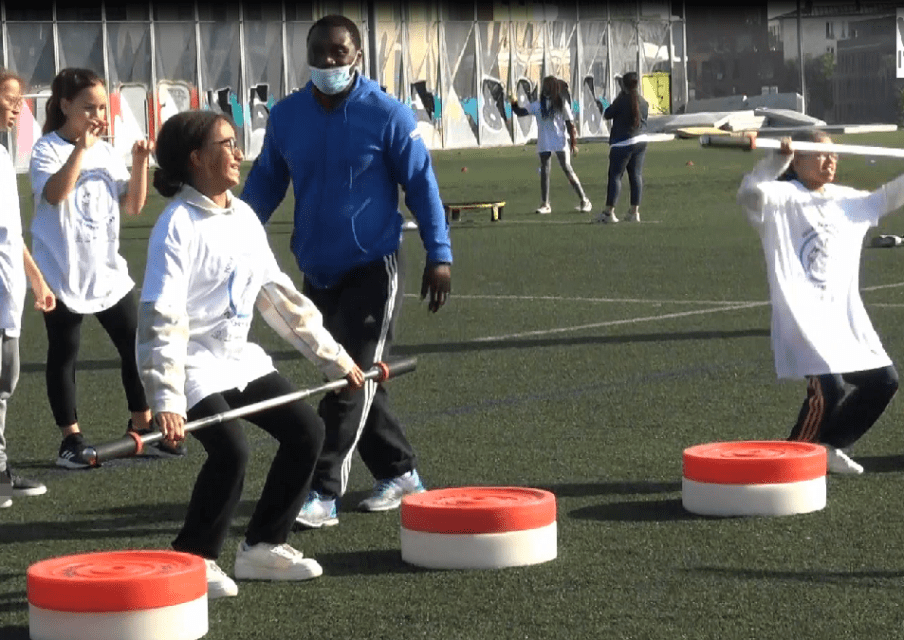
(299, 431)
(63, 338)
(840, 408)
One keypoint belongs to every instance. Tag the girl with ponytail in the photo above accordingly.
(80, 185)
(628, 113)
(554, 117)
(209, 266)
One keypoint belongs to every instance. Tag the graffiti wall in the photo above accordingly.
(458, 77)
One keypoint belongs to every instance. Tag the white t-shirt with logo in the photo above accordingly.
(76, 242)
(812, 242)
(12, 265)
(551, 130)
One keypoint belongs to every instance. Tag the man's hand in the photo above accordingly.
(438, 282)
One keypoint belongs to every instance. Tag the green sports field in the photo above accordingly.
(574, 357)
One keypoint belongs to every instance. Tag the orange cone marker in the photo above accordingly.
(754, 478)
(478, 527)
(118, 595)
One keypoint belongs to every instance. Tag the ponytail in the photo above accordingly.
(630, 81)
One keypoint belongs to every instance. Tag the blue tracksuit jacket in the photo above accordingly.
(345, 166)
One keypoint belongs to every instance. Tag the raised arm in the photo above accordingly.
(266, 184)
(754, 193)
(133, 201)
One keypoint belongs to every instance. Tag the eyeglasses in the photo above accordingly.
(13, 102)
(229, 143)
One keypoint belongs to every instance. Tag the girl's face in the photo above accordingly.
(815, 169)
(88, 107)
(217, 163)
(10, 103)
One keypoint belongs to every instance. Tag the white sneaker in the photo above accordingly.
(605, 218)
(839, 462)
(632, 217)
(388, 494)
(584, 207)
(544, 209)
(6, 503)
(219, 585)
(317, 512)
(266, 561)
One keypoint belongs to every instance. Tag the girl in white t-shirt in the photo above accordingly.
(80, 184)
(554, 118)
(812, 233)
(209, 266)
(16, 267)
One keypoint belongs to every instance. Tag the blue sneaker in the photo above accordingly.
(317, 512)
(388, 494)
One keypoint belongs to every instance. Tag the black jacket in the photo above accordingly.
(623, 119)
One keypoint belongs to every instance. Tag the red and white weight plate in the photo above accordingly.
(478, 527)
(118, 595)
(754, 478)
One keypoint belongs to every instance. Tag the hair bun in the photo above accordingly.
(166, 184)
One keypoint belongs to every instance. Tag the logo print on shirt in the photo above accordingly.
(96, 204)
(814, 258)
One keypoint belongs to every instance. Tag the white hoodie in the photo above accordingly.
(207, 268)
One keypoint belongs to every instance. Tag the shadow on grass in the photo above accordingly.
(625, 487)
(362, 563)
(404, 350)
(635, 511)
(15, 601)
(132, 521)
(881, 464)
(14, 633)
(847, 578)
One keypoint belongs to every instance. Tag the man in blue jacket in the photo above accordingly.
(346, 147)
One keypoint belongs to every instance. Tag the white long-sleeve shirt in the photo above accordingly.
(812, 242)
(207, 268)
(12, 247)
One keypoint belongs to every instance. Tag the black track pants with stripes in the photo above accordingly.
(361, 312)
(840, 408)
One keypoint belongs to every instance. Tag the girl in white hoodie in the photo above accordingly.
(209, 265)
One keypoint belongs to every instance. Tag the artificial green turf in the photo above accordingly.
(574, 357)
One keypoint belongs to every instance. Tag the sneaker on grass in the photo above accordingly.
(585, 206)
(72, 452)
(219, 585)
(605, 218)
(317, 511)
(544, 209)
(265, 561)
(22, 487)
(388, 494)
(838, 461)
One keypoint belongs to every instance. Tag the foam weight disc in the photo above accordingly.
(754, 478)
(125, 595)
(754, 462)
(478, 527)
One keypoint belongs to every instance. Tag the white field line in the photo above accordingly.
(580, 299)
(732, 306)
(612, 323)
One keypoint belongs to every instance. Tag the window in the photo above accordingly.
(830, 30)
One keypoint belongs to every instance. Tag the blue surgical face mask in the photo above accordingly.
(332, 81)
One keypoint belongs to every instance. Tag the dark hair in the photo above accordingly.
(557, 98)
(181, 134)
(338, 21)
(66, 86)
(630, 82)
(804, 135)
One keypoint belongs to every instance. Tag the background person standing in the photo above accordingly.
(346, 147)
(628, 113)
